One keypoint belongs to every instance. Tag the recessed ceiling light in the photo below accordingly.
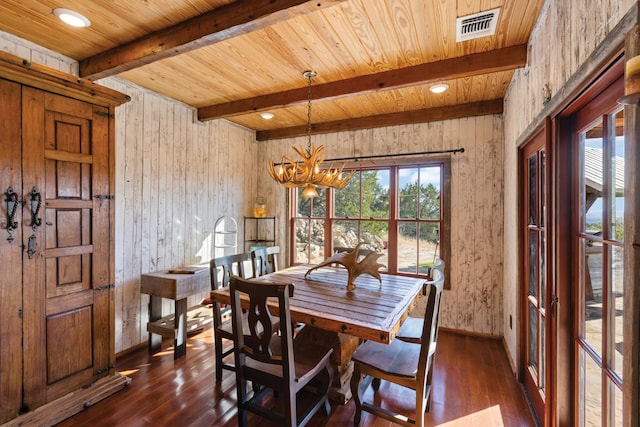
(72, 17)
(439, 88)
(267, 116)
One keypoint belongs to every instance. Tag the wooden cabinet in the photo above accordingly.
(56, 287)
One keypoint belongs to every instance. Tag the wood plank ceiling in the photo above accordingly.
(375, 59)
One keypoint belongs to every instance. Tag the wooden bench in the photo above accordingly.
(197, 318)
(175, 286)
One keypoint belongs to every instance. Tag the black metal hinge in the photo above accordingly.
(104, 197)
(104, 114)
(102, 288)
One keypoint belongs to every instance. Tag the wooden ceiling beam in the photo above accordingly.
(472, 109)
(234, 19)
(504, 59)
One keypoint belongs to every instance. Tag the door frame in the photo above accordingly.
(545, 132)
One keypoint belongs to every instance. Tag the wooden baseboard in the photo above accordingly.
(72, 403)
(509, 358)
(470, 333)
(143, 344)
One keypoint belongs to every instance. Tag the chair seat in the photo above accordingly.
(308, 360)
(398, 358)
(411, 330)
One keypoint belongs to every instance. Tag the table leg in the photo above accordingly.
(155, 313)
(180, 325)
(343, 348)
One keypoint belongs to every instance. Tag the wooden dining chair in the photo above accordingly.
(221, 270)
(272, 359)
(403, 363)
(411, 329)
(265, 260)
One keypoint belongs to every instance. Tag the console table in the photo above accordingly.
(177, 287)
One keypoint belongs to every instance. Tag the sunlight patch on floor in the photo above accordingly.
(489, 417)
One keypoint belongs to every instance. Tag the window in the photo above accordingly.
(400, 211)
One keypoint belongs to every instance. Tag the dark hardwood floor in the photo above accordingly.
(472, 386)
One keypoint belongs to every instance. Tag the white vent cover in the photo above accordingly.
(477, 25)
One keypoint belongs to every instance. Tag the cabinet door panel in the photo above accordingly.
(69, 361)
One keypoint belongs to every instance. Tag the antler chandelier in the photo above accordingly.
(308, 173)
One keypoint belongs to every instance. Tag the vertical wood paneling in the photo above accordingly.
(163, 226)
(169, 201)
(450, 310)
(464, 238)
(497, 205)
(131, 215)
(480, 228)
(120, 156)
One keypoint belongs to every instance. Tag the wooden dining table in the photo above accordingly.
(340, 318)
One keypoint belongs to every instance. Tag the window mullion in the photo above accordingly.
(393, 219)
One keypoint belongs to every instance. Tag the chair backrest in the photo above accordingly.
(265, 260)
(222, 268)
(431, 317)
(259, 344)
(273, 252)
(438, 265)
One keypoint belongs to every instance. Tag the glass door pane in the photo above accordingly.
(535, 273)
(601, 261)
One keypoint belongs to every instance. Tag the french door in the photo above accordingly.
(599, 257)
(588, 255)
(536, 285)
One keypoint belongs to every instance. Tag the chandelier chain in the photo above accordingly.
(308, 173)
(309, 77)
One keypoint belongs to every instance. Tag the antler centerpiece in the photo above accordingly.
(349, 260)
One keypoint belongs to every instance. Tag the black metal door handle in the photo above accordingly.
(12, 207)
(36, 203)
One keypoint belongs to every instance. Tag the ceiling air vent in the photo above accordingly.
(477, 25)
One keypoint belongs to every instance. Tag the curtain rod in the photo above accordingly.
(384, 156)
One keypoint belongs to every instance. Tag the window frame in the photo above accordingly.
(444, 162)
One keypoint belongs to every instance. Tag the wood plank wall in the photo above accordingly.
(474, 302)
(565, 36)
(174, 178)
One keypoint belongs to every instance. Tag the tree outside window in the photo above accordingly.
(396, 210)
